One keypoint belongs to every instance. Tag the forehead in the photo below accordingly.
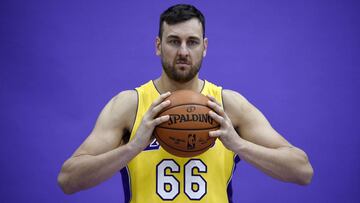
(189, 28)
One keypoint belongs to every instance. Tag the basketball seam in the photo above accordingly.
(188, 128)
(158, 137)
(182, 105)
(205, 148)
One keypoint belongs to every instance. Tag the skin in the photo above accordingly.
(244, 129)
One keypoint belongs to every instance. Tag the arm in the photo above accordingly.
(258, 143)
(104, 152)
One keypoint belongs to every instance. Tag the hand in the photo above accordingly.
(143, 136)
(227, 134)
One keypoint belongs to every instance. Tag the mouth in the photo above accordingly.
(183, 66)
(183, 62)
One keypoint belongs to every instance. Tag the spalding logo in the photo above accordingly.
(190, 109)
(180, 118)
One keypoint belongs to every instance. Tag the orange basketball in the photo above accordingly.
(186, 134)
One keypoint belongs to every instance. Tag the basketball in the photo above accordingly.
(186, 134)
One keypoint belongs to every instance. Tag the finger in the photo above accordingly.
(216, 133)
(161, 119)
(160, 99)
(217, 118)
(213, 99)
(157, 109)
(217, 108)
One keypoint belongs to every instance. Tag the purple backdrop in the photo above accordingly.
(61, 61)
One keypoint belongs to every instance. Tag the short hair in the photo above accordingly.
(180, 13)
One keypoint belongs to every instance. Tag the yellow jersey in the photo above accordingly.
(155, 176)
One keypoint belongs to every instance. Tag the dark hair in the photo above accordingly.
(180, 13)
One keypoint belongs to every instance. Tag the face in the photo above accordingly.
(182, 49)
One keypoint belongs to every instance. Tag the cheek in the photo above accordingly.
(198, 55)
(168, 54)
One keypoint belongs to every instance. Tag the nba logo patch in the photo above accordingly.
(152, 146)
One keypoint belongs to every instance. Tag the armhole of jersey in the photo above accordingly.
(126, 182)
(136, 112)
(236, 159)
(215, 90)
(125, 172)
(229, 189)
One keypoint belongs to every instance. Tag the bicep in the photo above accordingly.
(250, 123)
(112, 124)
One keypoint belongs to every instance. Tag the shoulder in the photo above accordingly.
(235, 105)
(122, 107)
(233, 99)
(126, 97)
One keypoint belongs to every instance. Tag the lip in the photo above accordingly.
(183, 64)
(186, 63)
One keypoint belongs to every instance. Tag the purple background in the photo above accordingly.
(61, 61)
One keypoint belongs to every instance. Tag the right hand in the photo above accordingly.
(145, 130)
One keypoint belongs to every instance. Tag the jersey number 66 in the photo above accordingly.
(168, 187)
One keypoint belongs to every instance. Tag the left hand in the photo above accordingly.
(227, 134)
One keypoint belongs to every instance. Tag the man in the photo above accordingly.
(122, 137)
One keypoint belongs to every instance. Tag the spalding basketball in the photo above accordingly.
(186, 134)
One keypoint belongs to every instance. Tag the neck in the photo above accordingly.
(164, 84)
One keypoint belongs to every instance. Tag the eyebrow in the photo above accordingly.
(173, 36)
(177, 37)
(194, 38)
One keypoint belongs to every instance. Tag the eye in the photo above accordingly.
(192, 43)
(174, 42)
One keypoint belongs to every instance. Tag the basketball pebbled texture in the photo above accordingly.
(186, 134)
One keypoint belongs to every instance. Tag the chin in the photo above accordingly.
(183, 79)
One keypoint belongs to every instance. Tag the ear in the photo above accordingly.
(205, 46)
(158, 46)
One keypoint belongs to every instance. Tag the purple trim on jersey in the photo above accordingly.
(126, 184)
(154, 145)
(229, 188)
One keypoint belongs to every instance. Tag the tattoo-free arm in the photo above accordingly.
(103, 153)
(259, 144)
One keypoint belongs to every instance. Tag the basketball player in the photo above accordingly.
(122, 137)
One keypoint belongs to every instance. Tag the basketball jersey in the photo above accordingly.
(155, 176)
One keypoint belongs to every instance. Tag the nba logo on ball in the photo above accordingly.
(186, 134)
(191, 141)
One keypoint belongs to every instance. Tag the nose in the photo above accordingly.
(183, 50)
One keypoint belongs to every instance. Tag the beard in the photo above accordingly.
(180, 75)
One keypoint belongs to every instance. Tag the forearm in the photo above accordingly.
(288, 164)
(85, 171)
